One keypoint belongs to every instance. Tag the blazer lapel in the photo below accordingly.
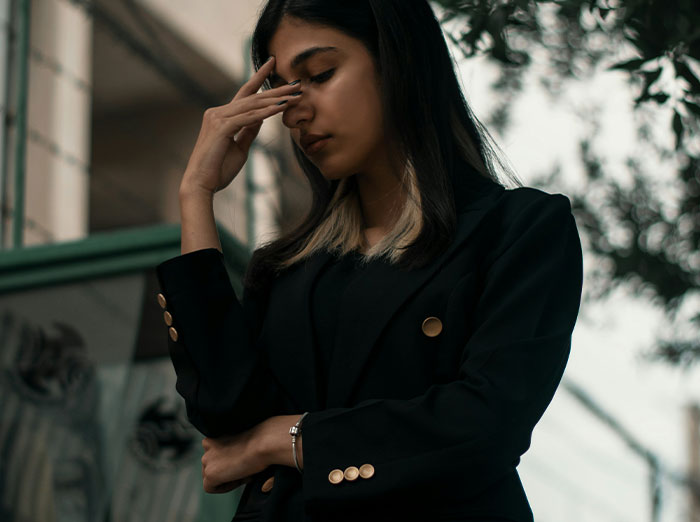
(362, 319)
(292, 340)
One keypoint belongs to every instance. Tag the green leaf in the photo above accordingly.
(677, 128)
(650, 77)
(686, 73)
(630, 65)
(659, 97)
(641, 98)
(692, 107)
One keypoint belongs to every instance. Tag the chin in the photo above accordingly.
(332, 171)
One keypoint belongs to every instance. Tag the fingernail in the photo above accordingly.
(294, 82)
(270, 58)
(296, 93)
(283, 101)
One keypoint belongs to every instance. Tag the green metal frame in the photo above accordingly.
(21, 140)
(105, 254)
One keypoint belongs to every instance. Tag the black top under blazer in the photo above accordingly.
(442, 420)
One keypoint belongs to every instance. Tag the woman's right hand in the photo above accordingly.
(217, 156)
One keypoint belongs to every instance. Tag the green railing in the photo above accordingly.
(104, 254)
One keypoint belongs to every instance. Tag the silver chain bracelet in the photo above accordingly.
(294, 431)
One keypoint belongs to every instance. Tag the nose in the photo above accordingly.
(298, 113)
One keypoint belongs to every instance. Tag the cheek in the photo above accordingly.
(360, 117)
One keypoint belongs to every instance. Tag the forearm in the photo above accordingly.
(198, 227)
(276, 442)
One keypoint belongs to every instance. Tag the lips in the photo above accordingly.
(317, 146)
(309, 139)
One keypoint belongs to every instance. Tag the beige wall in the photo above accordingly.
(109, 136)
(217, 28)
(58, 129)
(144, 126)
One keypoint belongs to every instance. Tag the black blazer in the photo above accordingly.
(441, 420)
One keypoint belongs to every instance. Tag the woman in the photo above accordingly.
(414, 327)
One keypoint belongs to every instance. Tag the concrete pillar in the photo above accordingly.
(58, 130)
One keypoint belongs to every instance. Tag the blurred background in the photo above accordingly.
(102, 102)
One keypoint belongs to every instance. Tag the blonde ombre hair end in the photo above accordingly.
(341, 229)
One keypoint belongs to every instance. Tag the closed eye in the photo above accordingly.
(320, 78)
(275, 81)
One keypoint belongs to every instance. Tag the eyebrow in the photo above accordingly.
(302, 57)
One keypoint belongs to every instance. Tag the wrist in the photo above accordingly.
(191, 191)
(295, 432)
(275, 443)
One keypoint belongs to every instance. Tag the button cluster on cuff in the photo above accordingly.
(351, 473)
(167, 316)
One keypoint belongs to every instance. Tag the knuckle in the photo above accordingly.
(211, 115)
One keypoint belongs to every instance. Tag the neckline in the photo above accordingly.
(354, 257)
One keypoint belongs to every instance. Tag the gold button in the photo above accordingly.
(432, 326)
(168, 318)
(366, 471)
(351, 473)
(267, 485)
(161, 300)
(335, 476)
(173, 333)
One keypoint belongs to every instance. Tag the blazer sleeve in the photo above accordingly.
(459, 437)
(222, 375)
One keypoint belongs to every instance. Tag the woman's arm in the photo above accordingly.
(197, 219)
(229, 461)
(238, 445)
(275, 443)
(460, 437)
(221, 373)
(222, 376)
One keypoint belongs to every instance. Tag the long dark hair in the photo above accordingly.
(446, 144)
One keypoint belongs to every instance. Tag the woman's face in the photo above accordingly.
(341, 96)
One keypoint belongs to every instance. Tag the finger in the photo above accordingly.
(255, 82)
(258, 102)
(233, 124)
(282, 90)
